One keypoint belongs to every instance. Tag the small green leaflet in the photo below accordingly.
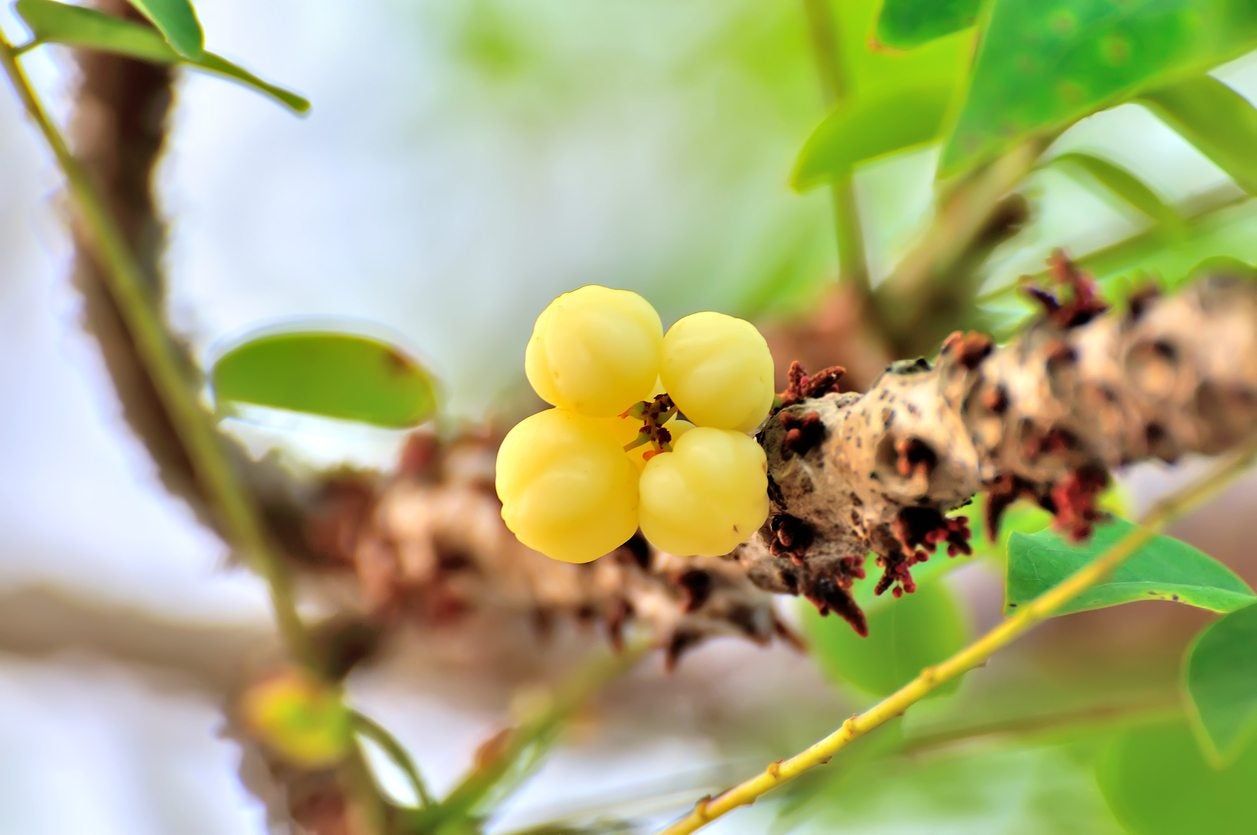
(867, 128)
(1163, 569)
(904, 24)
(1118, 182)
(1157, 783)
(74, 26)
(177, 22)
(1220, 680)
(336, 375)
(1218, 121)
(1095, 53)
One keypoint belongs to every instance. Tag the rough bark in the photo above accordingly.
(1046, 417)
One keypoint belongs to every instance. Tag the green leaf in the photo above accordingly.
(868, 128)
(908, 23)
(1157, 782)
(335, 375)
(979, 789)
(1220, 677)
(74, 26)
(177, 22)
(1217, 120)
(1043, 65)
(905, 635)
(1162, 569)
(1118, 182)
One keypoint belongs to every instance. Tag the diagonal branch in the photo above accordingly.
(968, 658)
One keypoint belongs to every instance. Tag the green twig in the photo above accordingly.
(1114, 256)
(126, 285)
(380, 735)
(231, 503)
(852, 260)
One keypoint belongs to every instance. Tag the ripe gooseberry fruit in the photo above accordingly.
(566, 486)
(595, 351)
(707, 496)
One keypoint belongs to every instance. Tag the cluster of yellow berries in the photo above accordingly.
(578, 480)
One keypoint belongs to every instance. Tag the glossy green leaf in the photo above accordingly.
(1217, 120)
(1043, 65)
(1157, 782)
(908, 23)
(1220, 677)
(868, 128)
(1115, 181)
(905, 635)
(335, 375)
(1162, 569)
(177, 22)
(74, 26)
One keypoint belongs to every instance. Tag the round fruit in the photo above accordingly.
(595, 351)
(707, 496)
(567, 488)
(719, 371)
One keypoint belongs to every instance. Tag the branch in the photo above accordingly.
(971, 656)
(1045, 417)
(852, 262)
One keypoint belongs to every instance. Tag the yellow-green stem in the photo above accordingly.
(852, 261)
(178, 393)
(974, 655)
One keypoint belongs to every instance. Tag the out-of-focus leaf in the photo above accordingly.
(177, 22)
(868, 128)
(335, 375)
(1116, 181)
(905, 635)
(1043, 65)
(1162, 569)
(1217, 120)
(1042, 790)
(909, 23)
(74, 26)
(1220, 676)
(1157, 782)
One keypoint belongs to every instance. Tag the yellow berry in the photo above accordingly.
(567, 488)
(707, 496)
(719, 371)
(595, 351)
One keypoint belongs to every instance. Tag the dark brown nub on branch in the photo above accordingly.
(1045, 418)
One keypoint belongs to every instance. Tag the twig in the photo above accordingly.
(852, 261)
(974, 655)
(126, 283)
(381, 736)
(1114, 256)
(244, 529)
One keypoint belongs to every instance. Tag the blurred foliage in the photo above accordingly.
(1041, 66)
(177, 22)
(908, 23)
(1218, 121)
(1115, 181)
(905, 635)
(1158, 782)
(1163, 568)
(59, 23)
(1220, 674)
(329, 374)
